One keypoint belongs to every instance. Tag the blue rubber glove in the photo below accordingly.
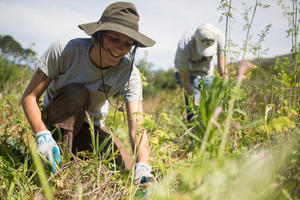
(47, 146)
(142, 174)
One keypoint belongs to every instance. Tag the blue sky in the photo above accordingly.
(43, 22)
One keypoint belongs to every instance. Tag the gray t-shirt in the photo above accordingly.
(188, 56)
(70, 63)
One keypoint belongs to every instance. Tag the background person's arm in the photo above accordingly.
(222, 69)
(185, 79)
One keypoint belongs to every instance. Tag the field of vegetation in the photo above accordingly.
(244, 141)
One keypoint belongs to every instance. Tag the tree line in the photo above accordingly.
(13, 51)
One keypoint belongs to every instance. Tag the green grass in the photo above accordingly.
(260, 157)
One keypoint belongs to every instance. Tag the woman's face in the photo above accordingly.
(115, 46)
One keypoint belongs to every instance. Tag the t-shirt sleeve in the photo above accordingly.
(133, 89)
(51, 62)
(181, 56)
(221, 44)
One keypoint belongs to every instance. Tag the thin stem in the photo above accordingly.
(294, 48)
(248, 30)
(226, 32)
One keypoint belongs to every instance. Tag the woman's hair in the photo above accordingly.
(96, 37)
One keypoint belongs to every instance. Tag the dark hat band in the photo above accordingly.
(128, 24)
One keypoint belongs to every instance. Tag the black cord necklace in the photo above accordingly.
(132, 56)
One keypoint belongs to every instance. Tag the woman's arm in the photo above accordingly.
(34, 90)
(137, 134)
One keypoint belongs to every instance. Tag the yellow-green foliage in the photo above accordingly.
(281, 124)
(251, 176)
(277, 125)
(252, 166)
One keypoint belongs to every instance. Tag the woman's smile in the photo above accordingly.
(114, 46)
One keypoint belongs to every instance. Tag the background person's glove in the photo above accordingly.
(142, 173)
(47, 146)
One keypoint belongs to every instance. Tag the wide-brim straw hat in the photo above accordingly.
(121, 17)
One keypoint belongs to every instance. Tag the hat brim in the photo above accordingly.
(207, 51)
(91, 28)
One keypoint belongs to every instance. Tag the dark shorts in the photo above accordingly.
(67, 110)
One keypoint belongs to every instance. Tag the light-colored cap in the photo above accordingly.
(206, 37)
